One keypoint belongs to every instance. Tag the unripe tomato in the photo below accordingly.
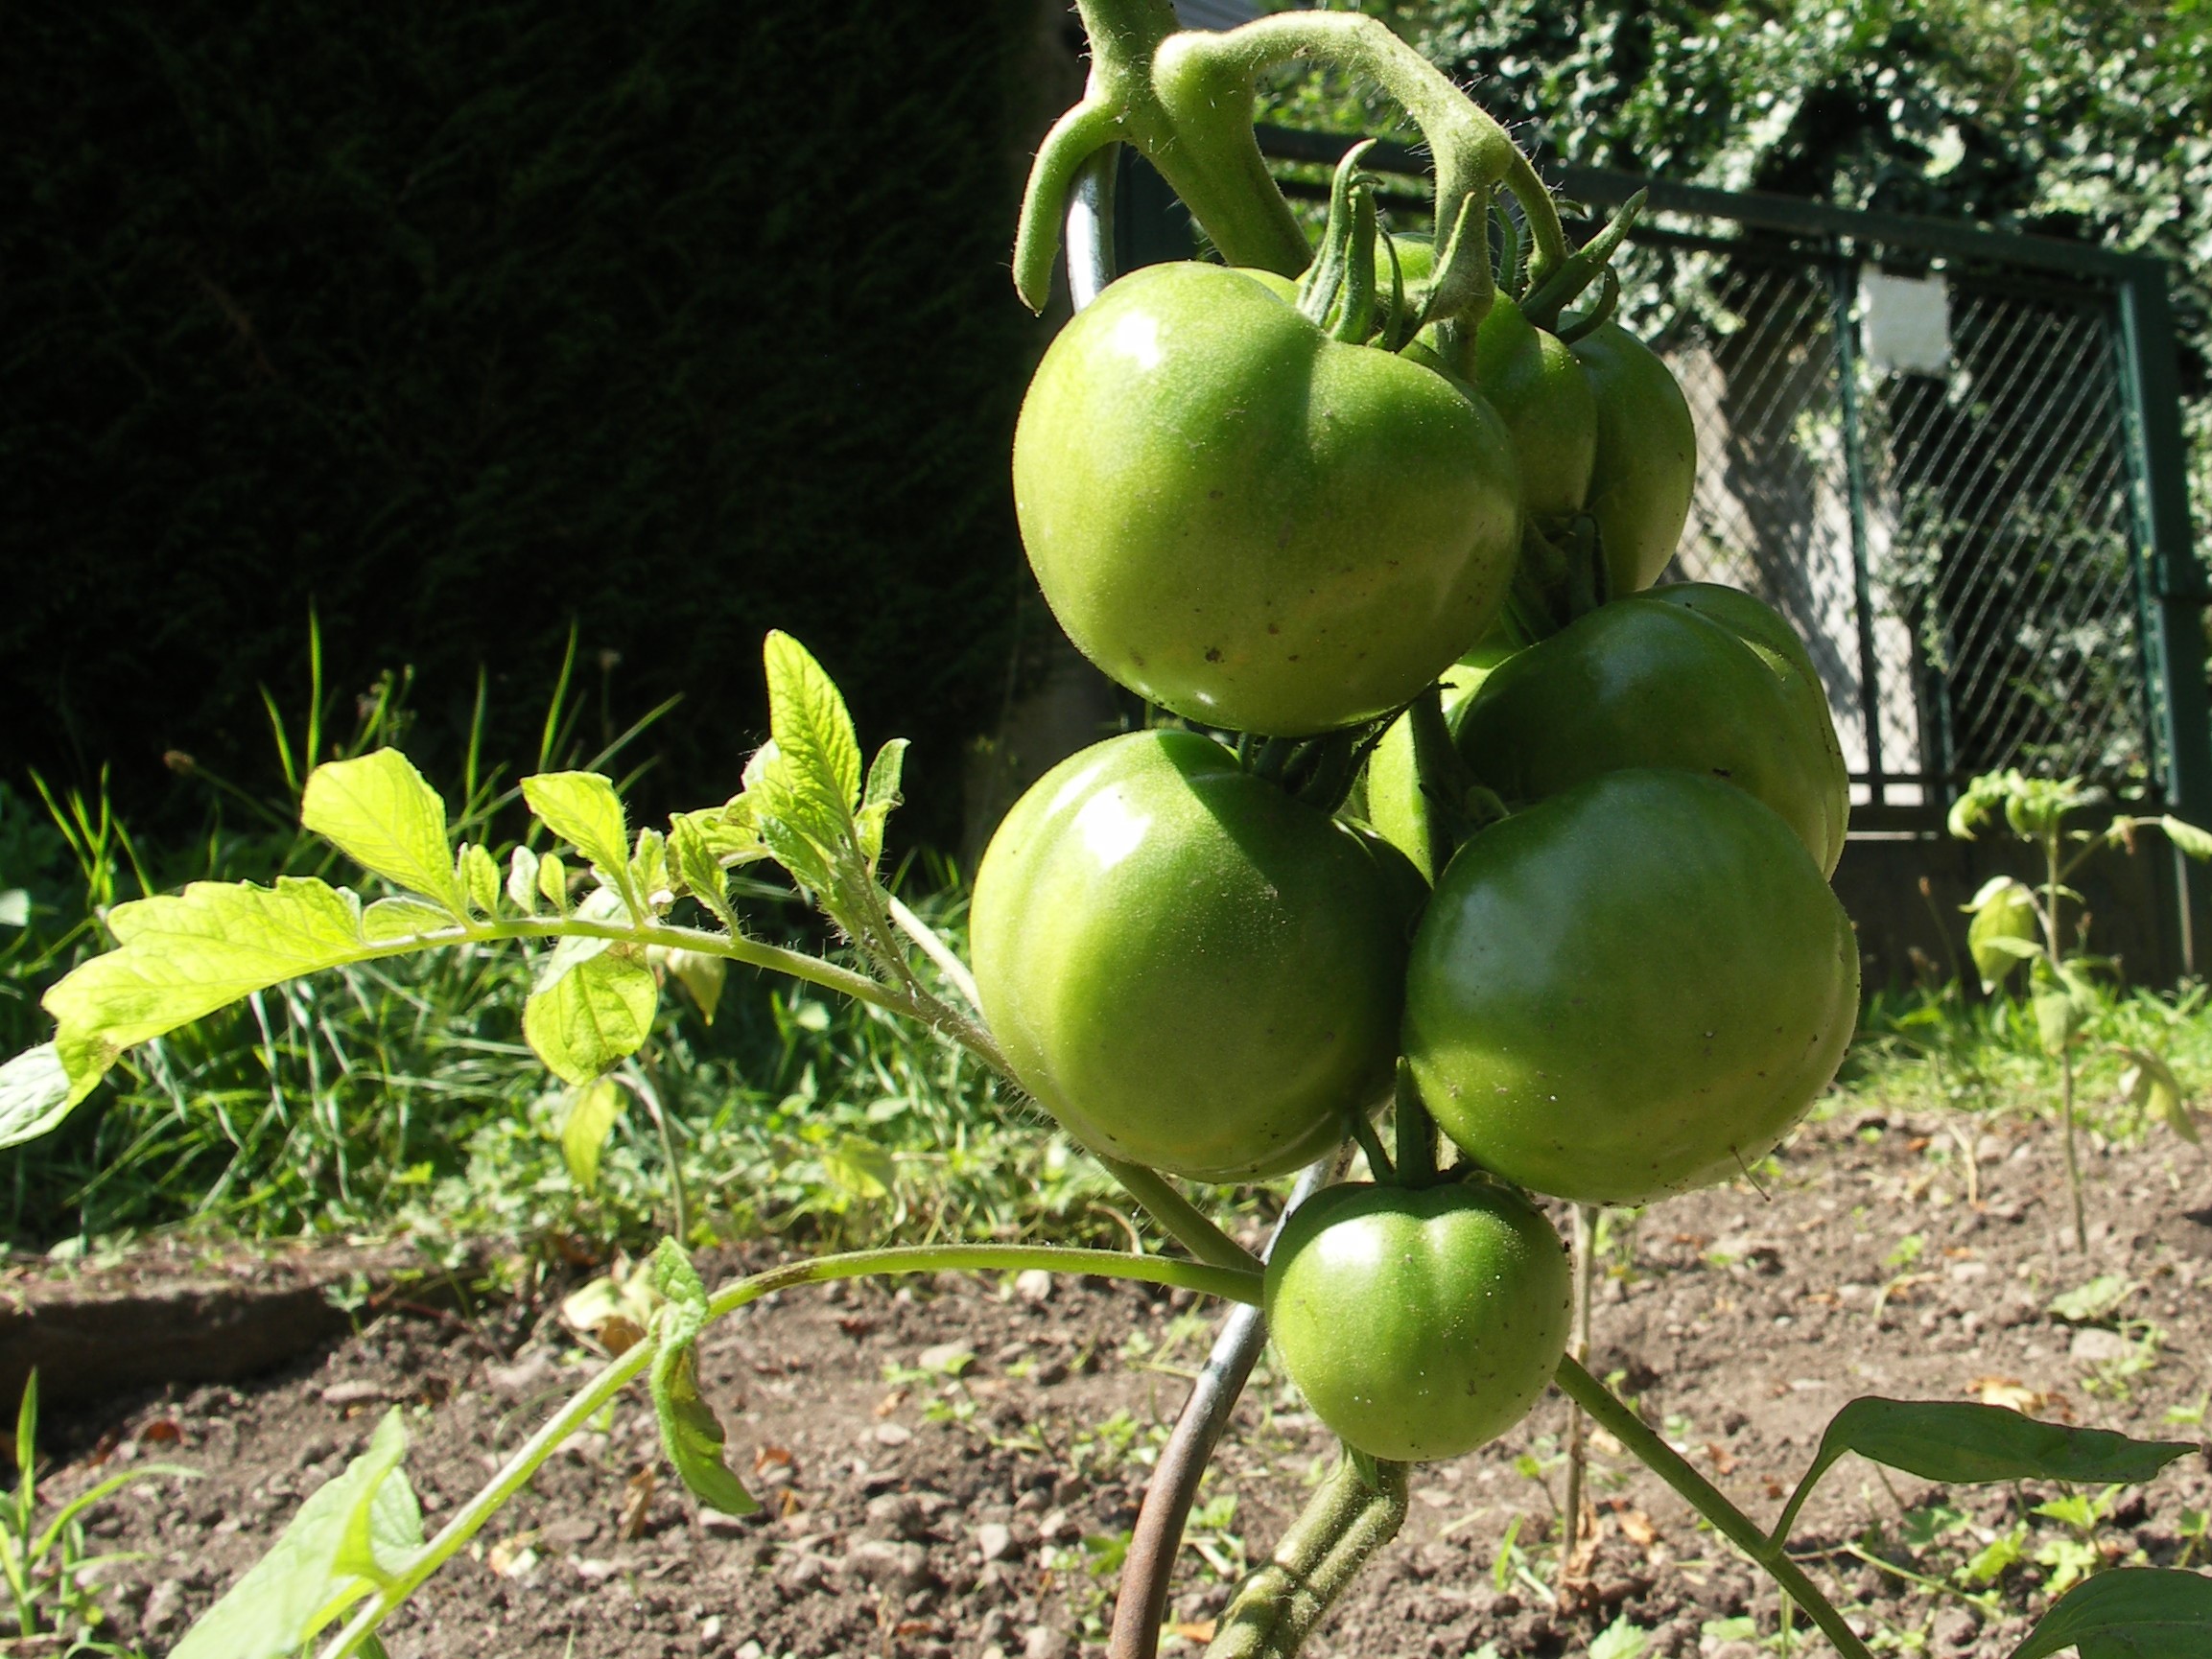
(1638, 683)
(1630, 989)
(1393, 805)
(1419, 1323)
(1546, 401)
(1767, 632)
(1251, 523)
(1647, 456)
(1186, 966)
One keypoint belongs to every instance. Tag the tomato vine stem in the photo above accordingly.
(1231, 1284)
(1772, 1554)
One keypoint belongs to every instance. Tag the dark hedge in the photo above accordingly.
(464, 319)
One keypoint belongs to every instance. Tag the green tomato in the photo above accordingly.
(1394, 805)
(1251, 523)
(1419, 1324)
(1769, 634)
(1630, 989)
(1639, 683)
(1547, 403)
(1185, 965)
(1647, 456)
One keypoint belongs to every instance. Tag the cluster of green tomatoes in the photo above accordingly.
(1585, 925)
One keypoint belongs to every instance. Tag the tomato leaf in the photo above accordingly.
(380, 813)
(353, 1535)
(691, 1433)
(1958, 1442)
(590, 1011)
(2150, 1086)
(522, 880)
(34, 1094)
(702, 975)
(2195, 842)
(186, 954)
(590, 1119)
(583, 809)
(479, 875)
(2142, 1612)
(813, 731)
(879, 797)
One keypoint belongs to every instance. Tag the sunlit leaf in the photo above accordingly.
(184, 955)
(355, 1533)
(379, 811)
(813, 731)
(591, 1014)
(583, 809)
(479, 875)
(691, 1433)
(590, 1119)
(33, 1095)
(2195, 842)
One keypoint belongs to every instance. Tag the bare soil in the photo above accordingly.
(917, 1515)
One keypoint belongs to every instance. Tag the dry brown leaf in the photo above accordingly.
(637, 1502)
(2010, 1392)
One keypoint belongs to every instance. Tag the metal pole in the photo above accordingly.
(2174, 647)
(1842, 275)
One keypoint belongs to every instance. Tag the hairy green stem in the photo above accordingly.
(2053, 880)
(1186, 100)
(1234, 1285)
(1179, 1218)
(1702, 1496)
(1357, 1510)
(1416, 1133)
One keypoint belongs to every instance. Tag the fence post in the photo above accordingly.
(2176, 658)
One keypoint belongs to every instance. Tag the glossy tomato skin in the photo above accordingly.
(1645, 467)
(1769, 634)
(1250, 523)
(1394, 805)
(1188, 968)
(1546, 401)
(1632, 989)
(1419, 1324)
(1638, 683)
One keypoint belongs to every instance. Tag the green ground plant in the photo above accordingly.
(2015, 925)
(53, 1579)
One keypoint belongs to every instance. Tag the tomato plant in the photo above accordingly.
(1276, 502)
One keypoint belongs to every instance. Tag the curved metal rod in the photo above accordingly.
(1090, 239)
(1157, 1538)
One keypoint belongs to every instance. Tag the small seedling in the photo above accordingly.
(2015, 923)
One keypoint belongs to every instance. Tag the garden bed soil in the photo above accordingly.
(918, 1514)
